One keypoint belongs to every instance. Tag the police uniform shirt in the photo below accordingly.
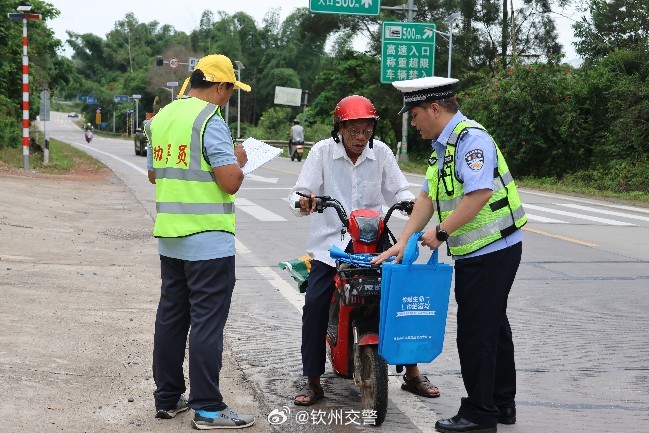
(206, 245)
(475, 161)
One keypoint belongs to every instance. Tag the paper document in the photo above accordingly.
(259, 153)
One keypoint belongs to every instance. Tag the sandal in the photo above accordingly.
(312, 391)
(419, 385)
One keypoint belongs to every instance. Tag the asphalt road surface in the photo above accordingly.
(578, 309)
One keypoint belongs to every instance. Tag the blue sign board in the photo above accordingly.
(120, 99)
(91, 100)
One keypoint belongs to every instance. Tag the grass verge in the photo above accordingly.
(64, 159)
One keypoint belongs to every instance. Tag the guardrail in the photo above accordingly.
(278, 143)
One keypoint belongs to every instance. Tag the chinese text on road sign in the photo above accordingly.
(346, 7)
(408, 51)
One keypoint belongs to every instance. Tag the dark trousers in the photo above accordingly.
(194, 294)
(484, 337)
(315, 317)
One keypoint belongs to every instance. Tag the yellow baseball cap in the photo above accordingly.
(217, 68)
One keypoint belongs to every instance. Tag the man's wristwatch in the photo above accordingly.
(441, 234)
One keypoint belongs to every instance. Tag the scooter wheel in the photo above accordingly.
(374, 387)
(299, 158)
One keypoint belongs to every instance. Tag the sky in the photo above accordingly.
(99, 17)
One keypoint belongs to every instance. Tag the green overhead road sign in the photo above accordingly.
(408, 51)
(345, 7)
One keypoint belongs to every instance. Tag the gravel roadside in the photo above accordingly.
(79, 285)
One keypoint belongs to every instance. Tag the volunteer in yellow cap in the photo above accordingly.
(196, 171)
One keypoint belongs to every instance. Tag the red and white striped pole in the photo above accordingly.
(25, 69)
(25, 98)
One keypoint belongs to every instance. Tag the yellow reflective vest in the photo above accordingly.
(188, 200)
(500, 217)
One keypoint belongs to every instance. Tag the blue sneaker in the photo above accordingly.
(181, 406)
(227, 418)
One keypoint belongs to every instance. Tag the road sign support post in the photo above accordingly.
(409, 34)
(137, 105)
(44, 117)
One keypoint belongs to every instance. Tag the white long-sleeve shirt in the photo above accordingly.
(329, 171)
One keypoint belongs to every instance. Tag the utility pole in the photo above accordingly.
(239, 68)
(306, 101)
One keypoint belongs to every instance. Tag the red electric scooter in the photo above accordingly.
(352, 333)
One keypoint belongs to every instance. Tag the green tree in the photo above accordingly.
(612, 25)
(43, 63)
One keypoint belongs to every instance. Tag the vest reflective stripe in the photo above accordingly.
(195, 208)
(455, 135)
(449, 205)
(182, 174)
(501, 216)
(188, 200)
(487, 230)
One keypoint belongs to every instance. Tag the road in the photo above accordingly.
(578, 309)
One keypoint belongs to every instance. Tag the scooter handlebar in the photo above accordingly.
(323, 202)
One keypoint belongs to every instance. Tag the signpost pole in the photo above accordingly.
(410, 16)
(45, 117)
(137, 104)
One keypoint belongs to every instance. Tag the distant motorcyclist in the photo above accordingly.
(297, 132)
(296, 141)
(87, 127)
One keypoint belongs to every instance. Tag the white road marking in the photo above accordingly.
(123, 161)
(604, 211)
(575, 199)
(261, 178)
(542, 219)
(576, 215)
(257, 211)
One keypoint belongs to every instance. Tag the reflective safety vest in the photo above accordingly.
(188, 200)
(500, 217)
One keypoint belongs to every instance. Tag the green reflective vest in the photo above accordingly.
(500, 217)
(188, 200)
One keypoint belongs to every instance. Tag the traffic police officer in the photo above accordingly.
(479, 215)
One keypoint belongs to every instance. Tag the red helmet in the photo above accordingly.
(354, 107)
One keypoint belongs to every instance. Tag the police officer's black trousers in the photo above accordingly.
(315, 317)
(196, 294)
(484, 337)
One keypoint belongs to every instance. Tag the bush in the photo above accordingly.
(10, 126)
(10, 132)
(530, 111)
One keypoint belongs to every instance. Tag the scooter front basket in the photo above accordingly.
(359, 285)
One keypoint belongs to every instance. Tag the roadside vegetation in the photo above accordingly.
(561, 126)
(64, 159)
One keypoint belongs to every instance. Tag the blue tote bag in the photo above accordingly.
(414, 305)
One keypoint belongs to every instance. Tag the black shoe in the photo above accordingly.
(459, 424)
(507, 415)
